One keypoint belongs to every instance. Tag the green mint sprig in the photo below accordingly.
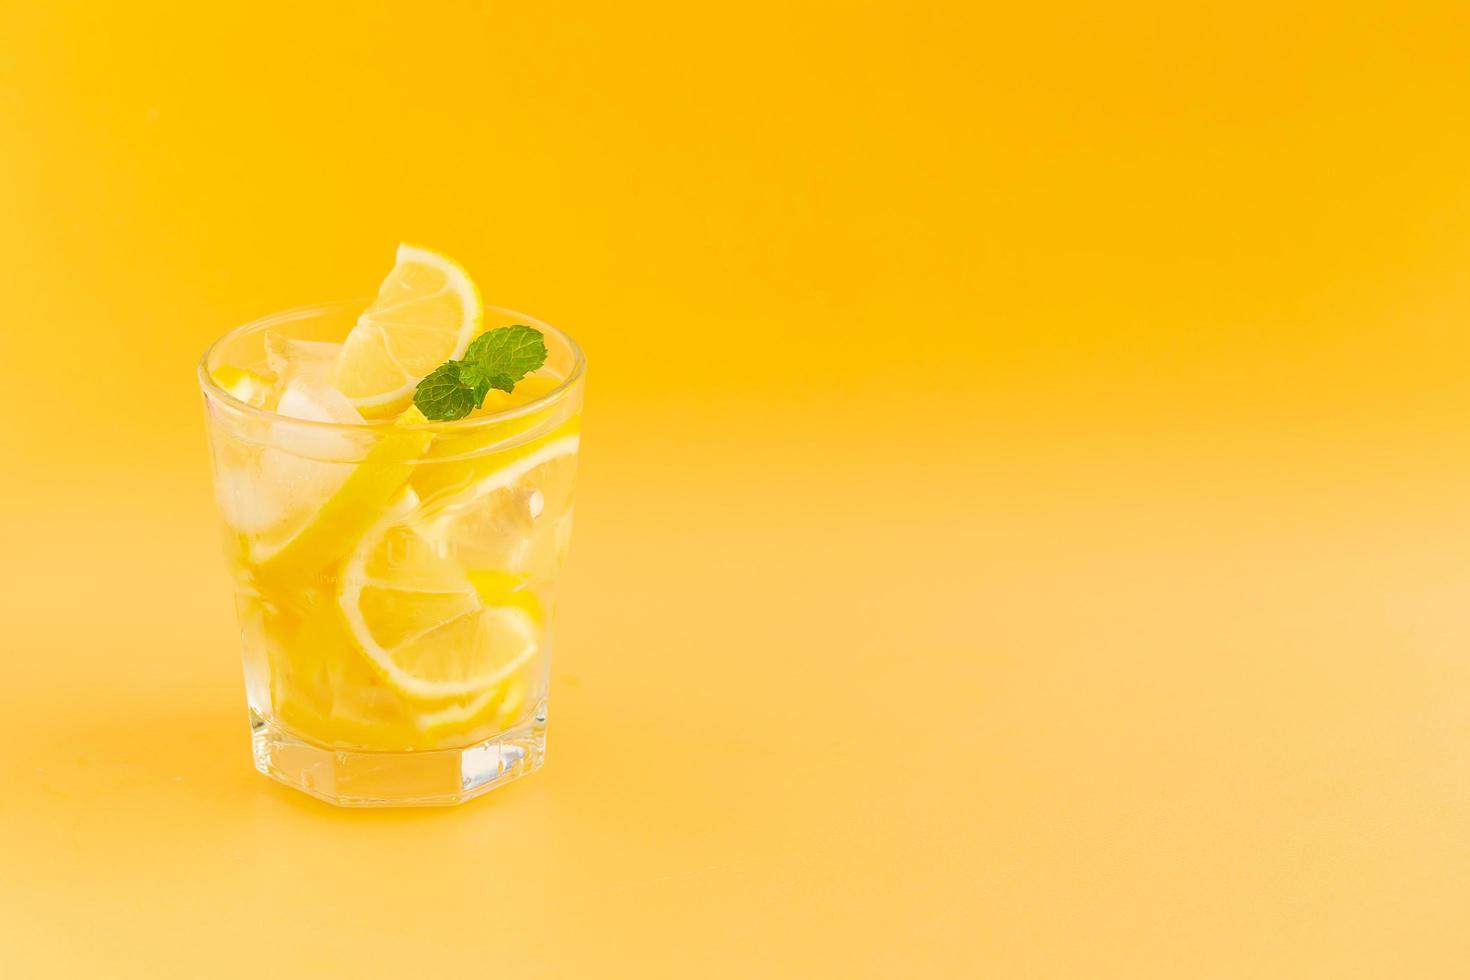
(495, 359)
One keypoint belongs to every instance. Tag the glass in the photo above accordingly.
(395, 583)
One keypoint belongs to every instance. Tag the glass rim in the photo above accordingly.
(213, 391)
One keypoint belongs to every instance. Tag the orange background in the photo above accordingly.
(1023, 523)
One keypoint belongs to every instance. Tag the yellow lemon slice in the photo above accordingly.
(421, 621)
(426, 313)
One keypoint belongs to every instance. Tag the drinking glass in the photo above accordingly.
(395, 583)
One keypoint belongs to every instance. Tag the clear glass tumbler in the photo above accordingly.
(395, 582)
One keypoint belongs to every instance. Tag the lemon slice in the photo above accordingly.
(421, 621)
(496, 708)
(456, 462)
(426, 313)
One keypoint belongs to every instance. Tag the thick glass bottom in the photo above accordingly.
(347, 777)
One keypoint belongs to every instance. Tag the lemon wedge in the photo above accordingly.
(418, 617)
(426, 313)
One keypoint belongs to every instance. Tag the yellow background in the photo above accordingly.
(1023, 525)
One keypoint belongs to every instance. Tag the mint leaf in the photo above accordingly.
(443, 395)
(502, 357)
(474, 376)
(495, 359)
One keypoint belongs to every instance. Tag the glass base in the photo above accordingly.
(347, 777)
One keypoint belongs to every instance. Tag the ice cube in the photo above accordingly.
(315, 401)
(304, 360)
(275, 490)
